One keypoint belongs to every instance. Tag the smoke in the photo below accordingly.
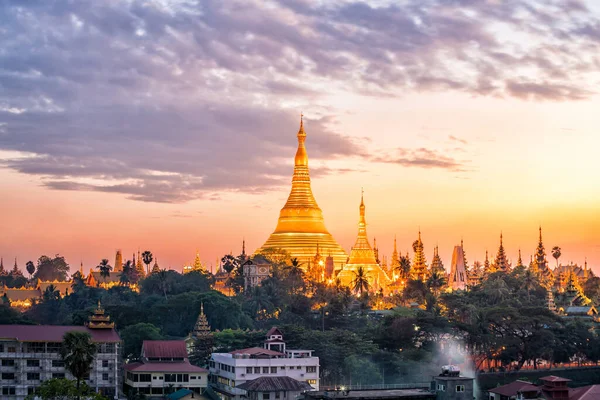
(451, 351)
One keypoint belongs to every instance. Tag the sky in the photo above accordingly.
(170, 125)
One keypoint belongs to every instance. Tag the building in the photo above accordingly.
(30, 355)
(416, 393)
(550, 388)
(301, 225)
(458, 279)
(229, 371)
(449, 385)
(255, 272)
(274, 388)
(164, 368)
(363, 256)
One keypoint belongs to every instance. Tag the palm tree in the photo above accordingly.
(403, 267)
(530, 281)
(295, 273)
(436, 281)
(147, 257)
(360, 283)
(125, 275)
(163, 280)
(556, 253)
(78, 354)
(104, 268)
(51, 293)
(30, 268)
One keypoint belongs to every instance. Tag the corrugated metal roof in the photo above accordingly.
(274, 384)
(164, 367)
(164, 349)
(256, 351)
(54, 333)
(513, 388)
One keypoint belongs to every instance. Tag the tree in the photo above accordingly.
(125, 275)
(360, 282)
(134, 335)
(63, 389)
(201, 350)
(164, 282)
(49, 269)
(78, 354)
(30, 267)
(436, 281)
(295, 274)
(403, 267)
(556, 253)
(147, 257)
(104, 268)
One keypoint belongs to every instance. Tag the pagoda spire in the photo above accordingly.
(118, 261)
(361, 252)
(201, 328)
(2, 271)
(301, 220)
(419, 265)
(519, 260)
(501, 262)
(436, 262)
(155, 267)
(99, 320)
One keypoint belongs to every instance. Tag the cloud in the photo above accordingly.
(173, 101)
(422, 158)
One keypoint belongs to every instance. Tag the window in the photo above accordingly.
(9, 391)
(265, 396)
(248, 370)
(54, 347)
(105, 376)
(33, 376)
(8, 376)
(192, 377)
(265, 370)
(277, 395)
(58, 375)
(8, 363)
(311, 381)
(144, 377)
(1, 348)
(311, 370)
(273, 370)
(282, 368)
(298, 367)
(12, 349)
(441, 388)
(460, 388)
(33, 363)
(58, 364)
(104, 363)
(233, 369)
(257, 370)
(157, 390)
(36, 347)
(30, 390)
(170, 377)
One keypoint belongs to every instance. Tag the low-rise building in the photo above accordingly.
(30, 354)
(228, 371)
(550, 388)
(164, 368)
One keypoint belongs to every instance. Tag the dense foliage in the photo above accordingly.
(502, 323)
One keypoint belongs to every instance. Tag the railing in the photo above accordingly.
(418, 385)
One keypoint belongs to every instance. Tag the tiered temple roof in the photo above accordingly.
(202, 328)
(419, 265)
(541, 264)
(501, 262)
(99, 320)
(458, 271)
(436, 262)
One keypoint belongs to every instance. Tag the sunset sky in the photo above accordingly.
(170, 125)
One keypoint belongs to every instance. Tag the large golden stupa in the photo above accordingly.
(301, 228)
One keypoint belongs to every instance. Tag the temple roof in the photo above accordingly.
(362, 253)
(53, 333)
(275, 384)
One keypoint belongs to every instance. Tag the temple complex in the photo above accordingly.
(301, 225)
(362, 255)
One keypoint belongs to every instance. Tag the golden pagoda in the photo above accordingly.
(301, 225)
(99, 320)
(362, 255)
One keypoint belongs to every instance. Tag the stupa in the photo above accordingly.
(301, 225)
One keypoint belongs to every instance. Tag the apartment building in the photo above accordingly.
(30, 354)
(228, 371)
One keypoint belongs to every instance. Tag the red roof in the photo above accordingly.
(591, 392)
(164, 367)
(513, 388)
(553, 378)
(164, 349)
(274, 331)
(54, 333)
(254, 351)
